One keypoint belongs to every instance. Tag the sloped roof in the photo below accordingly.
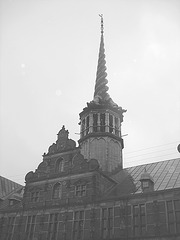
(8, 187)
(166, 174)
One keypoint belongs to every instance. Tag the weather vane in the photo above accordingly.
(102, 26)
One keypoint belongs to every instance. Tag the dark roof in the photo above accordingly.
(166, 174)
(7, 187)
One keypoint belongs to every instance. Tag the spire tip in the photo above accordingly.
(102, 25)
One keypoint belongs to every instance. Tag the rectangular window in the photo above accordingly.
(142, 219)
(145, 184)
(78, 226)
(107, 223)
(150, 219)
(87, 125)
(110, 123)
(10, 227)
(129, 220)
(102, 122)
(117, 126)
(53, 226)
(161, 218)
(80, 190)
(139, 220)
(171, 217)
(177, 214)
(83, 128)
(136, 220)
(34, 196)
(95, 122)
(30, 227)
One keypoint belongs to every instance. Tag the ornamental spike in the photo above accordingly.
(101, 88)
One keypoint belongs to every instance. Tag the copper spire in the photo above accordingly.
(100, 87)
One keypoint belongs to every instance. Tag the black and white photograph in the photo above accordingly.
(89, 119)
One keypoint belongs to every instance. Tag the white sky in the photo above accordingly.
(49, 52)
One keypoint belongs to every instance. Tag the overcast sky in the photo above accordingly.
(49, 53)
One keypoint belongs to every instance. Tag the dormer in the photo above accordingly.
(147, 182)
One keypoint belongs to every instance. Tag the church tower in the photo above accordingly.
(100, 121)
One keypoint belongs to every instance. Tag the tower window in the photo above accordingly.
(102, 122)
(116, 126)
(87, 125)
(83, 127)
(95, 121)
(110, 123)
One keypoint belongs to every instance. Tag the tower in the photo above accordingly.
(100, 121)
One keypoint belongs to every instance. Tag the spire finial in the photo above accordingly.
(101, 87)
(102, 24)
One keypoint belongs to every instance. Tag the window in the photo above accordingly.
(87, 125)
(57, 191)
(78, 226)
(102, 122)
(135, 220)
(129, 220)
(19, 225)
(177, 214)
(95, 122)
(145, 184)
(116, 126)
(30, 227)
(10, 227)
(161, 217)
(80, 190)
(53, 226)
(83, 127)
(110, 123)
(170, 215)
(142, 219)
(11, 202)
(59, 165)
(107, 223)
(139, 220)
(35, 196)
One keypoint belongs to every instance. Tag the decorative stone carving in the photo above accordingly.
(79, 163)
(63, 142)
(93, 164)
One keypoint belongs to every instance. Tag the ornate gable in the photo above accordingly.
(63, 143)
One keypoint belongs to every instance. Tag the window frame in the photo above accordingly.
(57, 191)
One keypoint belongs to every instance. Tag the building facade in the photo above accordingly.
(82, 192)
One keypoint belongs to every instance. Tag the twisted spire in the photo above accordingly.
(101, 88)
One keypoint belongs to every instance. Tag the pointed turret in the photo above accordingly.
(100, 134)
(101, 88)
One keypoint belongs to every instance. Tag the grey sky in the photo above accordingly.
(49, 52)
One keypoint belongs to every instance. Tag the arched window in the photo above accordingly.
(59, 165)
(57, 191)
